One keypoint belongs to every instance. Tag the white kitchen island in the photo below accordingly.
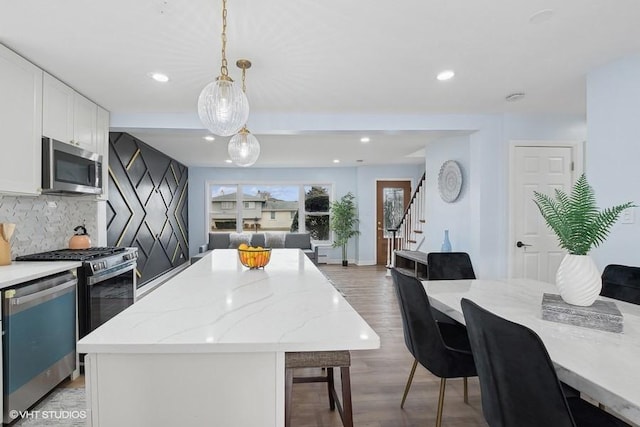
(207, 347)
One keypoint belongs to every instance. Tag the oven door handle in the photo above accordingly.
(97, 278)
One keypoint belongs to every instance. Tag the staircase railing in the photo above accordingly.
(409, 234)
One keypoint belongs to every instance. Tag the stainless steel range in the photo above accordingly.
(106, 281)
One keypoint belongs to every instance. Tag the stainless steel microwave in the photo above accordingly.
(70, 170)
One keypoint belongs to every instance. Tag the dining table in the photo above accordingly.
(604, 366)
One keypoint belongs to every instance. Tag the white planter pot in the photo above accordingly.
(578, 280)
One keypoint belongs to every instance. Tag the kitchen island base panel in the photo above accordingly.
(223, 389)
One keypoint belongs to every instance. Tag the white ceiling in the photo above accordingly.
(324, 57)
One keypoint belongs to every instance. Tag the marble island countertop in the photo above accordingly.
(217, 305)
(22, 271)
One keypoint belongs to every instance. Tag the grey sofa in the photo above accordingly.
(266, 239)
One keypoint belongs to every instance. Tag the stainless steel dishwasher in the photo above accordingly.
(38, 339)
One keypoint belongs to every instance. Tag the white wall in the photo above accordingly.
(478, 221)
(613, 152)
(441, 215)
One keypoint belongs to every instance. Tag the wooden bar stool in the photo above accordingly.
(321, 359)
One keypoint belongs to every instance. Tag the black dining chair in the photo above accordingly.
(518, 382)
(449, 266)
(441, 348)
(621, 282)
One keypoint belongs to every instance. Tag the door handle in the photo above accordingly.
(520, 244)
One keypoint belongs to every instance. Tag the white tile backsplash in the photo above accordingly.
(46, 223)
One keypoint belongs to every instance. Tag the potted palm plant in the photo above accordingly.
(580, 226)
(344, 219)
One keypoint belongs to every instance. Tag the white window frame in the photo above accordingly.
(239, 201)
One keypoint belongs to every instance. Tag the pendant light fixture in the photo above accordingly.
(222, 106)
(243, 147)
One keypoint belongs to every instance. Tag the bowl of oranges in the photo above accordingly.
(254, 257)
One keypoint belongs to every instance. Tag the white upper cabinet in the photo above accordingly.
(20, 124)
(68, 116)
(102, 145)
(85, 115)
(57, 118)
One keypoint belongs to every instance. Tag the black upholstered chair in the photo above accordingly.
(449, 266)
(518, 381)
(443, 349)
(621, 282)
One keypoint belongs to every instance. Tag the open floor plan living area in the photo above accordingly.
(285, 214)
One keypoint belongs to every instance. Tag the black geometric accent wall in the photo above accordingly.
(147, 205)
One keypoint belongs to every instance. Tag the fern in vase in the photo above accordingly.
(575, 219)
(580, 226)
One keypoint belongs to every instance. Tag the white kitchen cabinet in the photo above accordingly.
(20, 124)
(68, 116)
(57, 117)
(102, 146)
(85, 115)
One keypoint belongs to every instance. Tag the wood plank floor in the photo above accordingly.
(378, 376)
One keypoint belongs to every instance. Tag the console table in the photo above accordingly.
(412, 261)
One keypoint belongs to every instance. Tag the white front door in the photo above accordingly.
(534, 248)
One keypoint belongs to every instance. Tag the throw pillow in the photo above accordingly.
(235, 239)
(274, 240)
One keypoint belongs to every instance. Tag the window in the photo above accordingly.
(393, 208)
(270, 207)
(316, 211)
(222, 216)
(268, 201)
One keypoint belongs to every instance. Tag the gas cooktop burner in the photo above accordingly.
(71, 254)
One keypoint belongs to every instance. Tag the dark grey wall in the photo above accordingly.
(148, 205)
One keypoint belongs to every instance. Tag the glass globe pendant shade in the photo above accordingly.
(223, 107)
(244, 148)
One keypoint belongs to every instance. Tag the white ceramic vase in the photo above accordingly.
(578, 280)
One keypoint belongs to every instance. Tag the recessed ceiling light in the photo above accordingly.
(445, 75)
(541, 16)
(159, 77)
(336, 161)
(365, 139)
(209, 138)
(228, 161)
(513, 97)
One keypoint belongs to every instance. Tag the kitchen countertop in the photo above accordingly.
(22, 271)
(216, 306)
